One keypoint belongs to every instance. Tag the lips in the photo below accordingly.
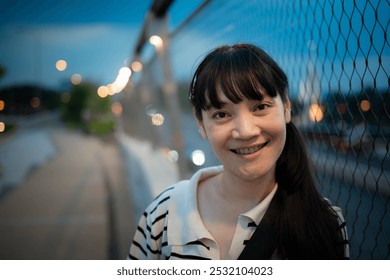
(249, 150)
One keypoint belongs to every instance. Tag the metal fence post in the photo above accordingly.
(169, 89)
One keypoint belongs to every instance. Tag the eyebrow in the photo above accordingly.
(221, 103)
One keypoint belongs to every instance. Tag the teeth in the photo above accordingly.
(248, 151)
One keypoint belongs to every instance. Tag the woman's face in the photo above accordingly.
(247, 137)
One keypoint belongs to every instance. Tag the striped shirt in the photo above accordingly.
(171, 227)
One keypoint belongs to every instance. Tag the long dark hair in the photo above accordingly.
(307, 226)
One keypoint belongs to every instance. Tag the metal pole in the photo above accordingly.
(170, 94)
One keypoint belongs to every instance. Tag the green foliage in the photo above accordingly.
(100, 126)
(87, 110)
(72, 111)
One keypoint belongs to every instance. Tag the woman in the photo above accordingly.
(262, 202)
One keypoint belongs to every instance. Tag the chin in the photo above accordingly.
(253, 174)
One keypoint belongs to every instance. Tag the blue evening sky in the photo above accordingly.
(94, 37)
(97, 38)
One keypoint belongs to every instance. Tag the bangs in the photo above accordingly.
(239, 79)
(239, 73)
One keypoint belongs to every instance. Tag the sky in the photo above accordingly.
(96, 38)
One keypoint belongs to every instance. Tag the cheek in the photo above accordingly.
(278, 133)
(282, 140)
(276, 124)
(217, 137)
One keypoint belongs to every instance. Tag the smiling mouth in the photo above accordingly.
(248, 151)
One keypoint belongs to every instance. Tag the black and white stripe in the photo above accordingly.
(148, 239)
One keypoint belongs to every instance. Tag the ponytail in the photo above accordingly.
(307, 225)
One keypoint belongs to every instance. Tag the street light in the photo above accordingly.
(76, 79)
(122, 79)
(156, 41)
(316, 114)
(365, 105)
(103, 91)
(2, 127)
(61, 65)
(136, 66)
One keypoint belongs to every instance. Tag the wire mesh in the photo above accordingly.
(336, 55)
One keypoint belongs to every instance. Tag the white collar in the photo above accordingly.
(257, 213)
(185, 224)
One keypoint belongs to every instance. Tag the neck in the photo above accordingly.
(237, 190)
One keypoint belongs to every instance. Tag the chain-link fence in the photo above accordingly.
(336, 55)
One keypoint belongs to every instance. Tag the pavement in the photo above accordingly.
(72, 200)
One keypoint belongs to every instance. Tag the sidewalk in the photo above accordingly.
(75, 206)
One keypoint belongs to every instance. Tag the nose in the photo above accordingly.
(245, 127)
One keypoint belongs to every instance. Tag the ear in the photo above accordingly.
(201, 129)
(287, 110)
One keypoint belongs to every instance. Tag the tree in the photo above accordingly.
(87, 110)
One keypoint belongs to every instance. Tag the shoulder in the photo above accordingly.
(172, 208)
(336, 210)
(161, 203)
(151, 233)
(176, 196)
(342, 226)
(187, 186)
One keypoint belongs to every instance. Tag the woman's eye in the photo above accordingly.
(262, 106)
(219, 115)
